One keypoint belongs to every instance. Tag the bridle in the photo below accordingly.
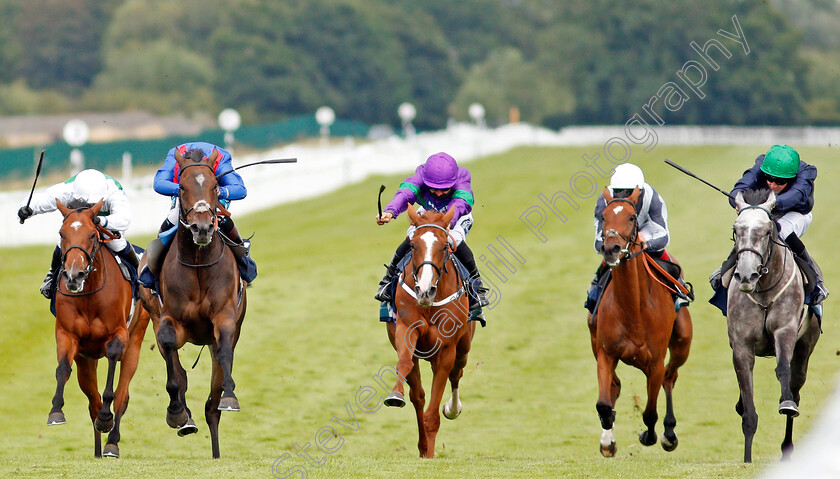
(89, 255)
(762, 266)
(446, 256)
(183, 214)
(634, 234)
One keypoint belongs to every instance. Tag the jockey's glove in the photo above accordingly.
(24, 212)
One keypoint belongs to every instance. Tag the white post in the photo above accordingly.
(126, 168)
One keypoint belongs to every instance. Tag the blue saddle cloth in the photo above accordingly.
(720, 298)
(388, 311)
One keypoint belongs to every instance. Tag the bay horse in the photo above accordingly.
(432, 324)
(92, 306)
(635, 323)
(202, 300)
(766, 315)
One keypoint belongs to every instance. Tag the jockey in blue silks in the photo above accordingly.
(231, 187)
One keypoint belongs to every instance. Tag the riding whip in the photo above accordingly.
(37, 173)
(265, 162)
(696, 177)
(379, 202)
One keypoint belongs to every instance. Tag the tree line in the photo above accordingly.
(556, 62)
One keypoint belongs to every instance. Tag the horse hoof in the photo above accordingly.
(647, 438)
(177, 420)
(229, 404)
(451, 413)
(111, 450)
(103, 426)
(669, 445)
(188, 428)
(788, 408)
(394, 400)
(56, 419)
(609, 450)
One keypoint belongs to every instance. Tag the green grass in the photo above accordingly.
(311, 339)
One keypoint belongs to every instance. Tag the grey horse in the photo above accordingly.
(766, 314)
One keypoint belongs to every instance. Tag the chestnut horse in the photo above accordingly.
(202, 300)
(92, 306)
(432, 324)
(635, 323)
(766, 314)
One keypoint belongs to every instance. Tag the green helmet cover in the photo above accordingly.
(781, 161)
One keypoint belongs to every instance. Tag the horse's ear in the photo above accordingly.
(63, 209)
(98, 206)
(770, 203)
(447, 218)
(607, 195)
(180, 158)
(211, 160)
(739, 201)
(413, 216)
(634, 197)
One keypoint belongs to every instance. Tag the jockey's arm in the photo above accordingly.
(163, 183)
(600, 205)
(655, 230)
(44, 202)
(119, 218)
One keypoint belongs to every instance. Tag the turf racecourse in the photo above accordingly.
(311, 341)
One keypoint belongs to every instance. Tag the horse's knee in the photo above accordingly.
(62, 372)
(166, 336)
(114, 349)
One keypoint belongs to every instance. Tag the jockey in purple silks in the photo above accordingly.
(80, 191)
(440, 185)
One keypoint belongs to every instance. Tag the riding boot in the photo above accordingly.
(728, 263)
(478, 293)
(129, 256)
(595, 288)
(383, 292)
(240, 247)
(165, 226)
(798, 248)
(46, 287)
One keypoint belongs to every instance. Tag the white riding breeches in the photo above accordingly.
(457, 233)
(793, 222)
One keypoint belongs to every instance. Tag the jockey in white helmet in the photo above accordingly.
(80, 191)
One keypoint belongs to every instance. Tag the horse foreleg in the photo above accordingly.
(678, 347)
(86, 375)
(104, 421)
(225, 336)
(785, 340)
(655, 377)
(452, 408)
(607, 391)
(128, 366)
(212, 411)
(405, 341)
(744, 360)
(66, 347)
(442, 365)
(417, 396)
(176, 415)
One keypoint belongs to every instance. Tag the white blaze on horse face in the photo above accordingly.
(200, 179)
(618, 209)
(424, 279)
(76, 225)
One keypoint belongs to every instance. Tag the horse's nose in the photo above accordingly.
(614, 249)
(432, 291)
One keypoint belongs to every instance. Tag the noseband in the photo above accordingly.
(625, 252)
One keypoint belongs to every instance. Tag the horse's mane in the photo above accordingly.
(756, 196)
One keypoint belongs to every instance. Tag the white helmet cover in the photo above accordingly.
(627, 176)
(90, 186)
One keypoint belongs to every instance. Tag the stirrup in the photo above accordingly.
(382, 294)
